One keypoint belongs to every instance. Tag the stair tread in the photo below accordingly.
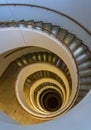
(82, 50)
(85, 65)
(69, 38)
(85, 79)
(55, 29)
(81, 56)
(85, 73)
(75, 44)
(29, 22)
(61, 34)
(86, 58)
(39, 23)
(85, 87)
(47, 26)
(82, 93)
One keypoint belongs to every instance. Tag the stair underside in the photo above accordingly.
(79, 50)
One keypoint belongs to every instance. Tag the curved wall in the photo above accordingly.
(8, 13)
(79, 9)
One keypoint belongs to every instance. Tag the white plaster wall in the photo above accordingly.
(14, 37)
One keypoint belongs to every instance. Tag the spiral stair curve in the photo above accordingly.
(53, 92)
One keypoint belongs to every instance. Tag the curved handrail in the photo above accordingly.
(55, 11)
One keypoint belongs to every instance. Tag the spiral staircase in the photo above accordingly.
(47, 83)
